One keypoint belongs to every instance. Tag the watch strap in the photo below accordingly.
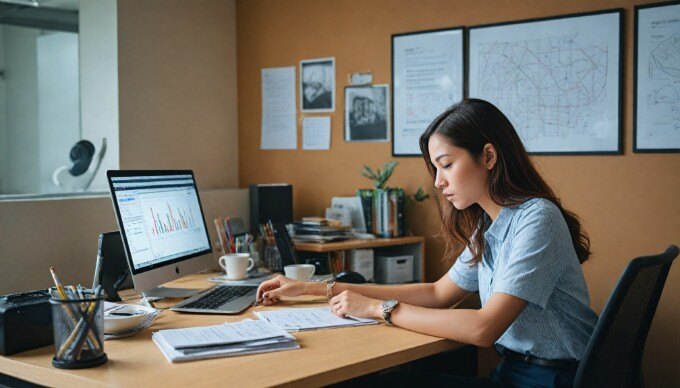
(387, 307)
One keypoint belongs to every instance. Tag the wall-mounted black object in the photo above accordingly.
(25, 322)
(115, 272)
(270, 202)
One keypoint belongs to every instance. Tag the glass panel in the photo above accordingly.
(44, 150)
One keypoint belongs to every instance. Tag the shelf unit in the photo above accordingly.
(411, 245)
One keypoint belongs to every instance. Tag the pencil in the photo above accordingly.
(78, 330)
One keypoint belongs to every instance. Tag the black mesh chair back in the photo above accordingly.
(613, 356)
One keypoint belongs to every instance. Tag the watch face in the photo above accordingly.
(389, 304)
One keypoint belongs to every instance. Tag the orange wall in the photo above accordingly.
(628, 202)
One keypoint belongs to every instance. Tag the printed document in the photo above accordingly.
(294, 319)
(279, 125)
(229, 339)
(316, 133)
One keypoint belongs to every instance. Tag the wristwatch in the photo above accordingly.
(329, 289)
(387, 307)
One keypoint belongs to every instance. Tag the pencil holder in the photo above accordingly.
(272, 258)
(78, 332)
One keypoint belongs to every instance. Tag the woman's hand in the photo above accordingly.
(270, 291)
(356, 305)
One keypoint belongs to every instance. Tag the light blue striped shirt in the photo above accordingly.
(529, 254)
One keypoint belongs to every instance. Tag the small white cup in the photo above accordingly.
(236, 265)
(301, 272)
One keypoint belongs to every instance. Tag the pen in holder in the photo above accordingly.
(78, 324)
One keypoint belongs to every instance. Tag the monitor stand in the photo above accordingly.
(167, 292)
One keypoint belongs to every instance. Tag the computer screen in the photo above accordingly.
(160, 218)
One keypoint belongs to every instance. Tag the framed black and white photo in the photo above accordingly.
(317, 85)
(428, 76)
(656, 108)
(557, 79)
(367, 113)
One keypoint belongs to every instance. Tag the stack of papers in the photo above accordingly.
(320, 230)
(295, 319)
(226, 340)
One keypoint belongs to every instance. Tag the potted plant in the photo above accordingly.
(385, 207)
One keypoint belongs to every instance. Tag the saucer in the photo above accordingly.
(126, 317)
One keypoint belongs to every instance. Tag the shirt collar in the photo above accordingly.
(499, 228)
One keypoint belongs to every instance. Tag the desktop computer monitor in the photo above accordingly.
(162, 227)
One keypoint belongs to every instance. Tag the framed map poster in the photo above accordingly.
(557, 79)
(427, 77)
(656, 109)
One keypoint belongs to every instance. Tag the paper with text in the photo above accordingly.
(228, 333)
(316, 133)
(279, 127)
(310, 319)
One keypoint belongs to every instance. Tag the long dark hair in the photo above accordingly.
(471, 124)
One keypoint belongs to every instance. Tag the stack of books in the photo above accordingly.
(226, 340)
(320, 230)
(383, 211)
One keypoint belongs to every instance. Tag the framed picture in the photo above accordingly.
(557, 79)
(428, 76)
(367, 113)
(656, 107)
(317, 85)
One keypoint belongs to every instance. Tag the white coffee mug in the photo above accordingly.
(236, 265)
(301, 272)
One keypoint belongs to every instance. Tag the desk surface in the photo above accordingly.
(325, 356)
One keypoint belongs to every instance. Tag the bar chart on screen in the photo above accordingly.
(160, 226)
(165, 221)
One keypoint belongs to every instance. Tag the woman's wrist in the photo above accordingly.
(314, 288)
(377, 309)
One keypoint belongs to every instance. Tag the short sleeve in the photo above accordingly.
(537, 257)
(464, 275)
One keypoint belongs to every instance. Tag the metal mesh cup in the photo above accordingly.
(78, 332)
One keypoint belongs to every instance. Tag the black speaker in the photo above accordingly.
(270, 202)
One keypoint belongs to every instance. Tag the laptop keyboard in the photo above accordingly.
(219, 297)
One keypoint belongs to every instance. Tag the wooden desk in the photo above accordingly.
(325, 357)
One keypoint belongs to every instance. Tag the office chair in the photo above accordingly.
(613, 356)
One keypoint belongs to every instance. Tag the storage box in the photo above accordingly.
(25, 322)
(361, 261)
(394, 269)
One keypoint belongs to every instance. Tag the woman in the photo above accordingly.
(523, 252)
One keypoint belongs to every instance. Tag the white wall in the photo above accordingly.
(99, 82)
(22, 110)
(58, 103)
